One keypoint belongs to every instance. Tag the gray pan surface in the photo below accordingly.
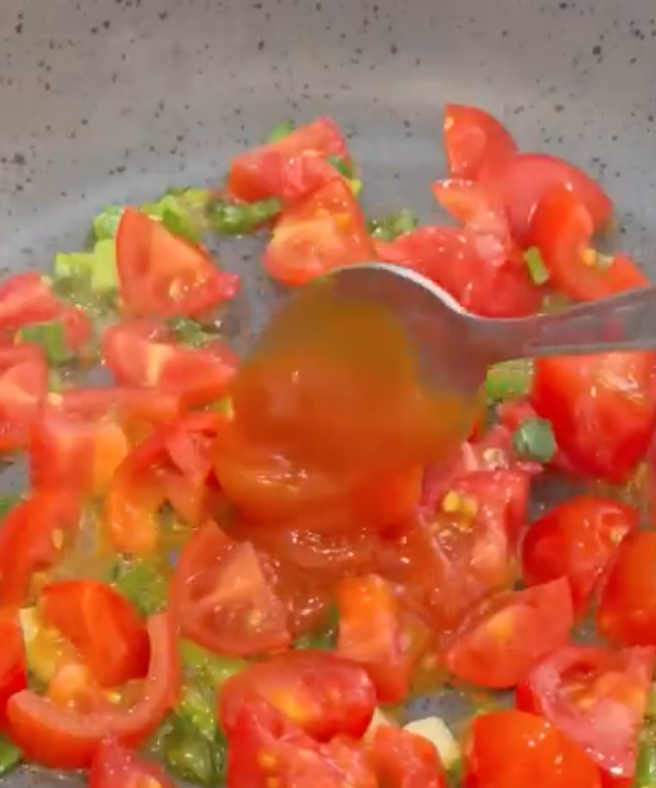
(106, 101)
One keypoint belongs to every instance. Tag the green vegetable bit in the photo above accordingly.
(509, 380)
(10, 756)
(537, 270)
(7, 503)
(95, 271)
(207, 667)
(280, 131)
(142, 583)
(182, 217)
(390, 227)
(342, 166)
(534, 440)
(324, 639)
(189, 332)
(645, 775)
(51, 336)
(223, 405)
(106, 222)
(197, 705)
(227, 218)
(192, 757)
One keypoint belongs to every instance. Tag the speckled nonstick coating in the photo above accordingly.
(107, 101)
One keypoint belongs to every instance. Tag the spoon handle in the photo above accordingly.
(621, 323)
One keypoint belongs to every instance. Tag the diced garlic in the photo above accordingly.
(436, 731)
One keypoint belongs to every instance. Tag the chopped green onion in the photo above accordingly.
(534, 440)
(342, 166)
(7, 503)
(189, 332)
(51, 336)
(280, 131)
(223, 405)
(645, 774)
(227, 218)
(73, 265)
(355, 185)
(193, 757)
(10, 756)
(207, 666)
(651, 703)
(106, 222)
(538, 271)
(196, 705)
(509, 380)
(325, 638)
(390, 227)
(142, 583)
(104, 274)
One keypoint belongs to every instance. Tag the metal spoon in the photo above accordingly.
(456, 348)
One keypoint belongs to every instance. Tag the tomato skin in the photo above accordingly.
(291, 757)
(468, 268)
(513, 749)
(323, 232)
(596, 696)
(23, 386)
(371, 633)
(627, 608)
(613, 395)
(144, 354)
(321, 693)
(521, 182)
(161, 275)
(219, 587)
(13, 667)
(31, 538)
(102, 625)
(290, 168)
(404, 760)
(26, 299)
(576, 539)
(562, 228)
(474, 140)
(499, 642)
(67, 739)
(115, 766)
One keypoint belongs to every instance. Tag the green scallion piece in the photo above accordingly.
(106, 222)
(390, 227)
(51, 336)
(10, 756)
(509, 380)
(537, 270)
(280, 131)
(534, 440)
(228, 218)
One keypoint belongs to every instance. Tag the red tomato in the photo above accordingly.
(627, 608)
(115, 766)
(522, 181)
(162, 275)
(613, 395)
(32, 536)
(500, 641)
(145, 354)
(67, 739)
(78, 328)
(576, 539)
(290, 168)
(404, 760)
(321, 693)
(371, 633)
(26, 299)
(72, 686)
(102, 625)
(562, 228)
(474, 141)
(325, 231)
(224, 597)
(13, 668)
(468, 267)
(265, 749)
(23, 385)
(512, 749)
(596, 696)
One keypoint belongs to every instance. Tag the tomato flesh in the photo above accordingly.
(115, 766)
(13, 668)
(404, 760)
(474, 141)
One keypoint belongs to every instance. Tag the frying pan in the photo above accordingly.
(106, 101)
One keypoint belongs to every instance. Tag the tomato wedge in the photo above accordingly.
(144, 353)
(102, 625)
(67, 739)
(32, 536)
(115, 766)
(404, 760)
(267, 749)
(596, 696)
(290, 168)
(499, 642)
(323, 694)
(562, 228)
(513, 749)
(162, 275)
(325, 231)
(613, 395)
(23, 386)
(578, 540)
(372, 633)
(224, 596)
(13, 667)
(474, 141)
(468, 268)
(521, 182)
(627, 607)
